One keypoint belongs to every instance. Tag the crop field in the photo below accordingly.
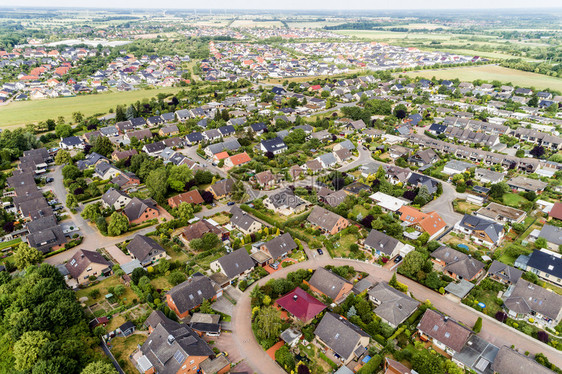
(23, 112)
(490, 73)
(378, 35)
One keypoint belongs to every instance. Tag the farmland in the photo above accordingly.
(22, 112)
(491, 73)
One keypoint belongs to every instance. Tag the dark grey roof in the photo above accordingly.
(552, 234)
(236, 262)
(46, 239)
(380, 241)
(327, 282)
(83, 259)
(112, 195)
(154, 147)
(546, 263)
(41, 224)
(192, 293)
(526, 297)
(281, 245)
(339, 334)
(323, 218)
(507, 361)
(194, 137)
(273, 145)
(142, 247)
(170, 344)
(444, 329)
(394, 306)
(491, 228)
(463, 265)
(286, 198)
(136, 207)
(241, 219)
(505, 272)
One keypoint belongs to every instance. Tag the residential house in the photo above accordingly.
(456, 167)
(327, 221)
(170, 130)
(501, 213)
(508, 361)
(476, 356)
(382, 245)
(488, 176)
(285, 202)
(208, 324)
(457, 265)
(275, 145)
(301, 305)
(329, 284)
(546, 265)
(432, 223)
(122, 155)
(520, 183)
(237, 160)
(394, 367)
(503, 273)
(198, 229)
(71, 142)
(279, 247)
(85, 264)
(424, 158)
(234, 264)
(392, 306)
(171, 347)
(138, 211)
(387, 202)
(221, 189)
(528, 300)
(244, 221)
(552, 235)
(266, 179)
(104, 170)
(115, 199)
(145, 249)
(444, 332)
(190, 294)
(126, 181)
(345, 339)
(481, 231)
(190, 197)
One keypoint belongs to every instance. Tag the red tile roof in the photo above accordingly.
(301, 304)
(556, 211)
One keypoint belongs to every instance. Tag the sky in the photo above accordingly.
(292, 4)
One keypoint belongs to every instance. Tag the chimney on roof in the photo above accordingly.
(295, 297)
(446, 318)
(171, 339)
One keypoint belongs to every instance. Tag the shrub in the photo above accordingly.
(477, 325)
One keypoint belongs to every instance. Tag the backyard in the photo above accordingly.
(122, 348)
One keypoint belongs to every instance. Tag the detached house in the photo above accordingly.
(526, 299)
(190, 294)
(456, 264)
(382, 245)
(137, 210)
(345, 339)
(244, 221)
(233, 265)
(503, 273)
(275, 146)
(145, 249)
(279, 247)
(285, 202)
(327, 283)
(481, 231)
(115, 199)
(392, 305)
(190, 197)
(85, 264)
(221, 189)
(327, 221)
(171, 347)
(445, 333)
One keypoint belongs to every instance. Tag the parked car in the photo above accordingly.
(397, 259)
(230, 203)
(49, 180)
(320, 251)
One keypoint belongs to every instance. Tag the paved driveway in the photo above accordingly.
(223, 305)
(118, 255)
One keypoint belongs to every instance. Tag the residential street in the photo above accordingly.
(497, 333)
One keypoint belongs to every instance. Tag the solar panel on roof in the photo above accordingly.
(179, 356)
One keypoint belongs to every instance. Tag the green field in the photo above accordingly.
(490, 73)
(24, 112)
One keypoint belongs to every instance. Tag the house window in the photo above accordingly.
(192, 362)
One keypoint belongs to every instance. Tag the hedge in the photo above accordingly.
(372, 366)
(380, 339)
(330, 362)
(396, 333)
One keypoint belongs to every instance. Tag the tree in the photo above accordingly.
(25, 256)
(184, 211)
(176, 278)
(498, 190)
(63, 130)
(119, 114)
(77, 117)
(285, 358)
(269, 322)
(393, 281)
(477, 325)
(538, 151)
(137, 274)
(118, 224)
(413, 262)
(103, 146)
(424, 362)
(91, 212)
(29, 348)
(99, 367)
(131, 112)
(63, 157)
(157, 184)
(71, 201)
(541, 243)
(400, 111)
(71, 172)
(179, 176)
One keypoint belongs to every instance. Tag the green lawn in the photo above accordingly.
(10, 243)
(111, 281)
(23, 112)
(490, 73)
(122, 349)
(513, 200)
